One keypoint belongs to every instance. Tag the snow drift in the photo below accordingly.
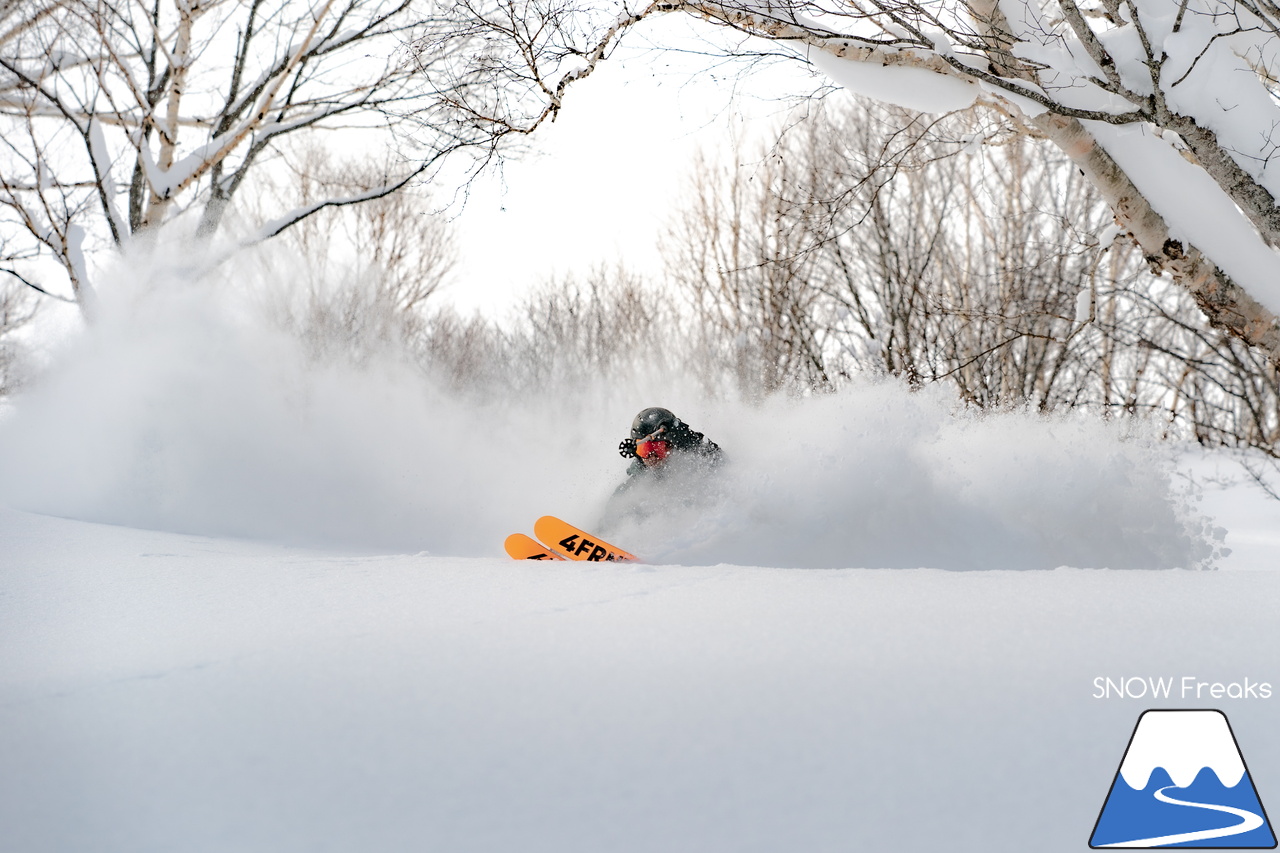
(183, 410)
(878, 476)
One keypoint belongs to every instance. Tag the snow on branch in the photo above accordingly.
(1195, 82)
(118, 117)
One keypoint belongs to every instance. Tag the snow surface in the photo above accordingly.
(327, 651)
(165, 691)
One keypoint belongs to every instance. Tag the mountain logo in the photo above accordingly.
(1183, 783)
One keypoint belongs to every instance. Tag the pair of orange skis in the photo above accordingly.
(563, 541)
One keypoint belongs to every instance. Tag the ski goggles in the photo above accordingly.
(653, 448)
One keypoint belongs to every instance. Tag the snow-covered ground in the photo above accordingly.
(162, 691)
(783, 676)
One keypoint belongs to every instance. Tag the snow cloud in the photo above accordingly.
(183, 410)
(881, 477)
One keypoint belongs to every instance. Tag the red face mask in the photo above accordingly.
(653, 449)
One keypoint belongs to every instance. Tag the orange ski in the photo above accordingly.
(577, 544)
(522, 547)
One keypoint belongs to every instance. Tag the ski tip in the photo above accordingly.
(521, 547)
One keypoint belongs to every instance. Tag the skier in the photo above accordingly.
(658, 436)
(669, 464)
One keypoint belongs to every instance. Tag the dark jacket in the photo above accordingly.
(688, 449)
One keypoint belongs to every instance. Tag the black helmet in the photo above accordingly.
(653, 419)
(661, 423)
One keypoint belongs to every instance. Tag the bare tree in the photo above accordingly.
(1169, 111)
(567, 334)
(120, 119)
(360, 278)
(611, 324)
(865, 242)
(873, 240)
(17, 309)
(747, 271)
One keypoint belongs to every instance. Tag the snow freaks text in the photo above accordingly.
(1185, 687)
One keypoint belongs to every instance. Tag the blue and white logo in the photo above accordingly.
(1183, 783)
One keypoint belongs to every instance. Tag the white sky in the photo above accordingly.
(602, 181)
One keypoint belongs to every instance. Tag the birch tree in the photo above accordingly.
(124, 119)
(871, 240)
(1168, 107)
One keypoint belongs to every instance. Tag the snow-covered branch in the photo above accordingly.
(1171, 108)
(118, 118)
